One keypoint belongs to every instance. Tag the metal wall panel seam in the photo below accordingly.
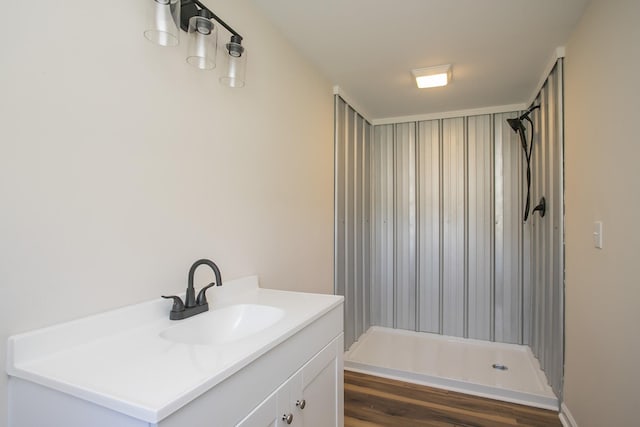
(339, 164)
(376, 226)
(367, 227)
(527, 284)
(354, 223)
(361, 227)
(342, 188)
(531, 277)
(545, 226)
(552, 235)
(491, 222)
(413, 279)
(535, 267)
(558, 236)
(348, 240)
(521, 242)
(390, 250)
(399, 218)
(377, 266)
(441, 223)
(521, 285)
(550, 224)
(336, 100)
(395, 222)
(361, 216)
(549, 189)
(558, 239)
(541, 181)
(376, 235)
(465, 228)
(418, 194)
(383, 230)
(349, 219)
(372, 224)
(547, 179)
(561, 231)
(492, 232)
(498, 220)
(522, 256)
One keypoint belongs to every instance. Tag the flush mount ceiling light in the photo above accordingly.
(165, 18)
(432, 76)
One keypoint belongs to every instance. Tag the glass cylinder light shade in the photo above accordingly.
(163, 22)
(202, 43)
(235, 58)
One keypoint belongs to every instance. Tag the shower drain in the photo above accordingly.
(499, 367)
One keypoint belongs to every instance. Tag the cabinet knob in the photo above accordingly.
(288, 418)
(301, 403)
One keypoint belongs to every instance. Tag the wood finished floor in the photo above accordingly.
(371, 401)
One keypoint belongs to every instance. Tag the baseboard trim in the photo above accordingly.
(566, 418)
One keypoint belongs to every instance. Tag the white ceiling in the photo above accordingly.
(499, 49)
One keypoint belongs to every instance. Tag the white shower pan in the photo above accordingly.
(500, 371)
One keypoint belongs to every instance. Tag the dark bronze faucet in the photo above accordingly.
(193, 305)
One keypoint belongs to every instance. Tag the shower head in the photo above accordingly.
(516, 124)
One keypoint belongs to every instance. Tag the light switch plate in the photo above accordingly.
(597, 234)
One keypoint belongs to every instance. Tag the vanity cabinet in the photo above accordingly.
(312, 397)
(289, 374)
(318, 383)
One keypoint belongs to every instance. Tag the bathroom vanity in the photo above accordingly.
(258, 357)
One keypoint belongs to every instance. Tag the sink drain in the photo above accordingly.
(499, 367)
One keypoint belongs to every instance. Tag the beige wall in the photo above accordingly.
(120, 164)
(602, 371)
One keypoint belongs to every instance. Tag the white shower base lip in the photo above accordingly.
(451, 363)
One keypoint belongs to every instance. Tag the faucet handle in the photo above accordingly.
(178, 305)
(202, 295)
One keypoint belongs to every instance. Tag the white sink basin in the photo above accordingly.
(223, 325)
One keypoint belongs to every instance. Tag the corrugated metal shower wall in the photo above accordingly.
(428, 228)
(547, 234)
(447, 253)
(353, 231)
(429, 231)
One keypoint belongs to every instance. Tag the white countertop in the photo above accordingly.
(118, 359)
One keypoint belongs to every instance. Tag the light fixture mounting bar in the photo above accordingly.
(189, 6)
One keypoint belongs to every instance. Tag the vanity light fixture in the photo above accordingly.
(165, 18)
(432, 76)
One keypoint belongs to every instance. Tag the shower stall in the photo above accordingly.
(431, 247)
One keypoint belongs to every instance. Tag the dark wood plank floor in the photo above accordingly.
(371, 401)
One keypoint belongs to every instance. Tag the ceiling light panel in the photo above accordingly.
(432, 76)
